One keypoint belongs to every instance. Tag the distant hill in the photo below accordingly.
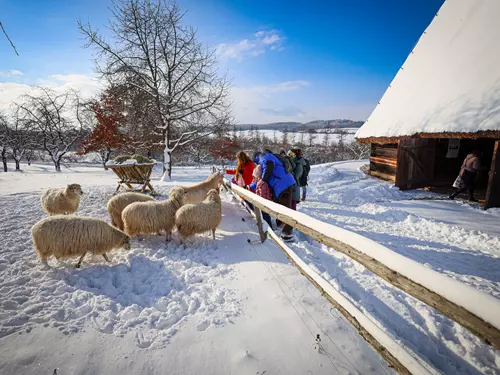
(298, 126)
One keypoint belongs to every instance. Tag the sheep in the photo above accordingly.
(62, 201)
(152, 217)
(68, 236)
(197, 193)
(200, 217)
(117, 204)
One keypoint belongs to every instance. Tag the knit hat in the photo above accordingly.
(257, 171)
(290, 153)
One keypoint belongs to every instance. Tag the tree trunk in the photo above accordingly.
(18, 167)
(4, 159)
(28, 159)
(57, 164)
(167, 157)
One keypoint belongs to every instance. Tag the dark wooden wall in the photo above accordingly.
(383, 161)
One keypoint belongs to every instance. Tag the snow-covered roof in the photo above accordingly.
(450, 82)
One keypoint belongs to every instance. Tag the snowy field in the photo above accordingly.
(230, 307)
(451, 237)
(223, 307)
(318, 138)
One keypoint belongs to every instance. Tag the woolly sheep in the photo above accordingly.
(69, 236)
(117, 204)
(152, 217)
(197, 193)
(200, 217)
(62, 201)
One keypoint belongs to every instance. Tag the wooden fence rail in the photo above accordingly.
(479, 312)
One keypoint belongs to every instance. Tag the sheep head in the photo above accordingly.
(178, 194)
(213, 195)
(74, 189)
(126, 243)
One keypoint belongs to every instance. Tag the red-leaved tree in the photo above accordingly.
(106, 137)
(224, 149)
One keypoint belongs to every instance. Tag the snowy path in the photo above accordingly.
(463, 244)
(205, 308)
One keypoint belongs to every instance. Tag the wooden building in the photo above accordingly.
(443, 103)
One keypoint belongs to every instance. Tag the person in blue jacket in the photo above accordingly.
(281, 183)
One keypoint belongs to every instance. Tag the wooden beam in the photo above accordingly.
(381, 349)
(476, 325)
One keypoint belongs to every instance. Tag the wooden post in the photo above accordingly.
(258, 217)
(476, 325)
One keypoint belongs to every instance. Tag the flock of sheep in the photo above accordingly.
(192, 210)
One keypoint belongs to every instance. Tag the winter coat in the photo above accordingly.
(246, 174)
(300, 165)
(274, 173)
(262, 190)
(297, 173)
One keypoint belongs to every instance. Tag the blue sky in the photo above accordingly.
(289, 60)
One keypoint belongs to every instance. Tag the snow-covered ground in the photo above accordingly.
(451, 237)
(231, 306)
(206, 307)
(294, 137)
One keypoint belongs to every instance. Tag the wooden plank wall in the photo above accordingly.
(383, 161)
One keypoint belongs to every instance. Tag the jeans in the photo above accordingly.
(285, 199)
(304, 191)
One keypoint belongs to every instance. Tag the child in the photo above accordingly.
(263, 190)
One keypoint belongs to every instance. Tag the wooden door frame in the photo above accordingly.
(491, 180)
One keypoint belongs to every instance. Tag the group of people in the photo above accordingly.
(281, 178)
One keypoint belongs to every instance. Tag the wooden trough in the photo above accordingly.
(134, 174)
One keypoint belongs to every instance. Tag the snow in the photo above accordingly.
(224, 306)
(481, 304)
(295, 137)
(456, 239)
(450, 82)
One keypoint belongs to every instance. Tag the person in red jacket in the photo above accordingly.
(243, 170)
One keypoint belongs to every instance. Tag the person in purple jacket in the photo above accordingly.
(281, 183)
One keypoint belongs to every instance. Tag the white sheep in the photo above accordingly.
(62, 201)
(152, 217)
(197, 193)
(117, 204)
(68, 236)
(200, 217)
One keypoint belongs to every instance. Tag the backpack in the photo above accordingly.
(305, 174)
(287, 162)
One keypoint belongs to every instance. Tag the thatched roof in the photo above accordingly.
(495, 134)
(449, 86)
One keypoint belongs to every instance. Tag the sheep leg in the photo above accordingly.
(168, 237)
(213, 234)
(80, 261)
(105, 257)
(44, 261)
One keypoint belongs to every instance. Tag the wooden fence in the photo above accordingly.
(480, 314)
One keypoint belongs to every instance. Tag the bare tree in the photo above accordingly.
(161, 56)
(341, 137)
(359, 150)
(326, 140)
(4, 140)
(57, 117)
(8, 38)
(21, 137)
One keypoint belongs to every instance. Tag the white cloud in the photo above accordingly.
(259, 104)
(263, 41)
(87, 85)
(285, 101)
(10, 73)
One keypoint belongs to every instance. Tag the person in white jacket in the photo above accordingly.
(469, 170)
